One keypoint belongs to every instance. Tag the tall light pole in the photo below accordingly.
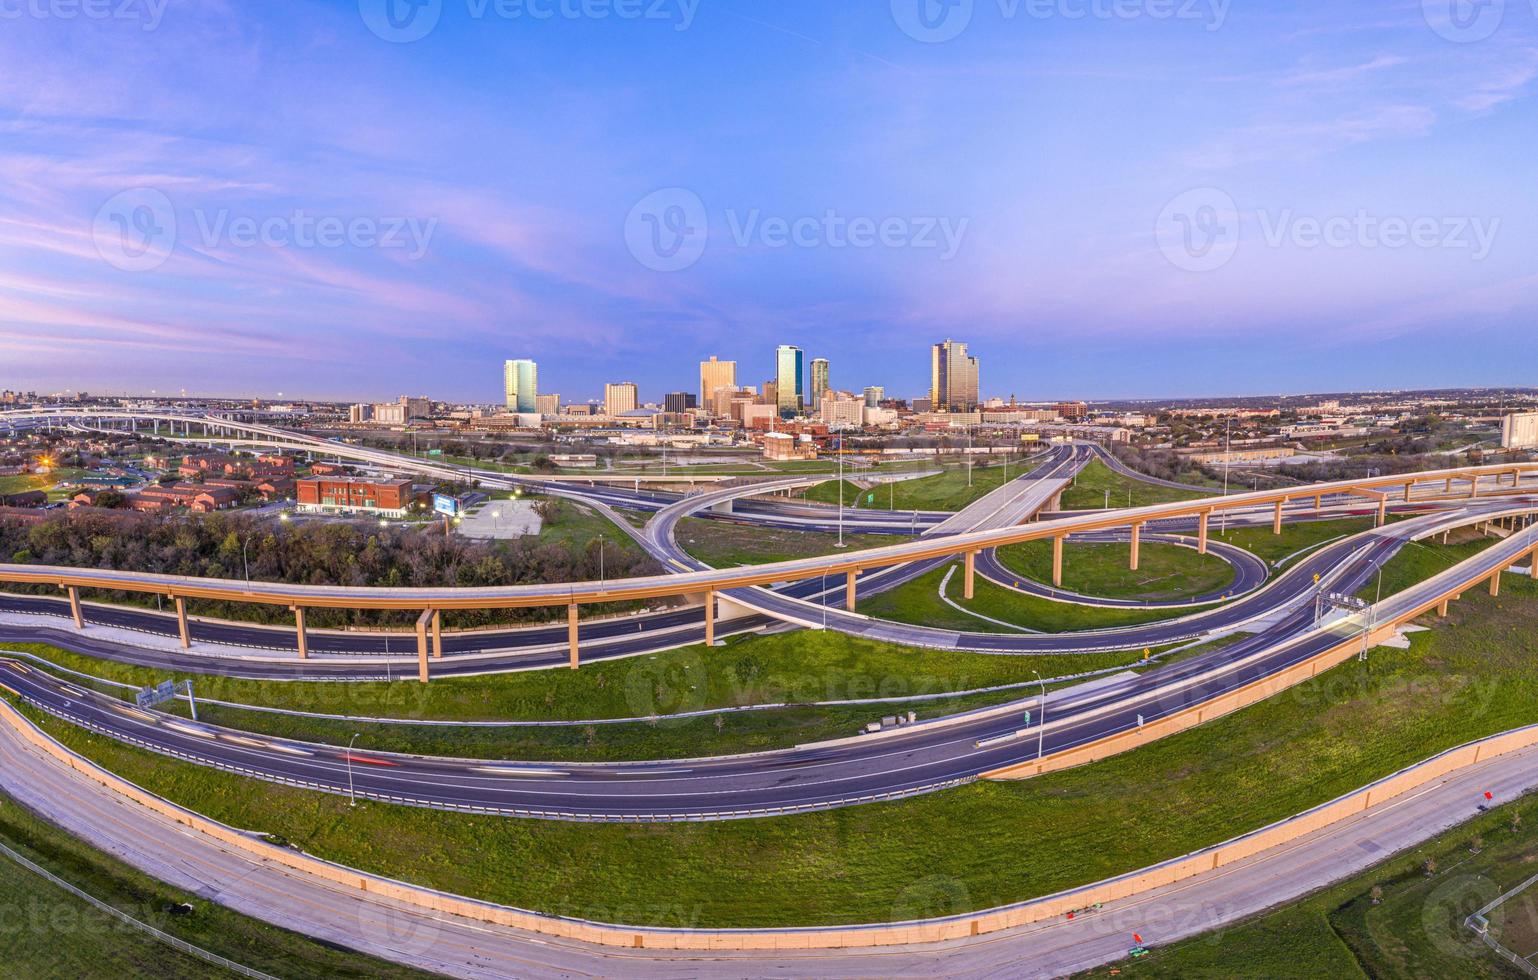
(1041, 733)
(244, 563)
(840, 490)
(600, 562)
(1228, 455)
(352, 794)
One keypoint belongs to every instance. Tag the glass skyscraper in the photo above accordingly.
(522, 386)
(790, 379)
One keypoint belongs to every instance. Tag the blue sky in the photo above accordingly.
(1207, 197)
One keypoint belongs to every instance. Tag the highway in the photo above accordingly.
(918, 759)
(461, 947)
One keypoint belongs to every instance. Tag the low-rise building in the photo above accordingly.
(392, 498)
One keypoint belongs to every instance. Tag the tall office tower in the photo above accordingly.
(715, 375)
(521, 380)
(953, 381)
(789, 379)
(548, 404)
(874, 395)
(420, 407)
(678, 401)
(620, 398)
(819, 380)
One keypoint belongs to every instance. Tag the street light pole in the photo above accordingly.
(600, 562)
(244, 562)
(1228, 454)
(352, 794)
(1041, 733)
(840, 490)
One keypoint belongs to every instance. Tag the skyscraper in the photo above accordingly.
(789, 379)
(819, 380)
(619, 398)
(715, 375)
(873, 396)
(521, 379)
(953, 378)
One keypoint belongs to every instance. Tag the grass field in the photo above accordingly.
(1294, 537)
(919, 602)
(1414, 930)
(580, 526)
(1165, 571)
(1468, 678)
(1089, 491)
(723, 544)
(946, 491)
(781, 668)
(49, 932)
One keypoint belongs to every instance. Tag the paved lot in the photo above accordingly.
(501, 519)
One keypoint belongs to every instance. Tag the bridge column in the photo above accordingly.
(849, 589)
(74, 607)
(571, 636)
(1383, 510)
(1137, 545)
(304, 641)
(1057, 560)
(1407, 488)
(422, 621)
(1202, 523)
(1318, 503)
(710, 619)
(970, 588)
(1473, 486)
(1495, 584)
(1532, 561)
(437, 634)
(1449, 488)
(1276, 521)
(181, 622)
(1442, 609)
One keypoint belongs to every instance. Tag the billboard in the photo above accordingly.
(446, 505)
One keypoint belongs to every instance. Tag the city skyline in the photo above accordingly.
(1310, 122)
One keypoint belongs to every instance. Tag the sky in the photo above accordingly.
(356, 199)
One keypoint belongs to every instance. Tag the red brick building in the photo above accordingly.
(392, 497)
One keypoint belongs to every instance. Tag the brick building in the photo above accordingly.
(390, 497)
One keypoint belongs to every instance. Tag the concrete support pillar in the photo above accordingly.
(1057, 560)
(1473, 486)
(710, 619)
(299, 631)
(1532, 562)
(1495, 585)
(181, 622)
(1449, 489)
(970, 588)
(1318, 502)
(849, 590)
(1382, 510)
(437, 634)
(1442, 609)
(571, 636)
(1137, 545)
(1407, 488)
(422, 621)
(74, 607)
(1202, 524)
(1276, 520)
